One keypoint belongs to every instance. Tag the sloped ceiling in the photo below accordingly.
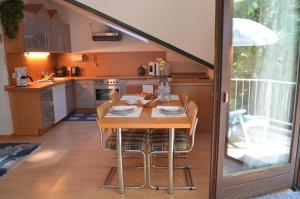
(188, 26)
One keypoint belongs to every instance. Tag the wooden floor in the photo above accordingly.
(71, 164)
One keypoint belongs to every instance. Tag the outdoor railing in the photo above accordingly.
(271, 99)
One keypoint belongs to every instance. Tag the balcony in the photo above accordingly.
(261, 117)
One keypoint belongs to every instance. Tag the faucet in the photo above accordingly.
(49, 77)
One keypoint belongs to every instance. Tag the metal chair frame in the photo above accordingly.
(187, 169)
(113, 169)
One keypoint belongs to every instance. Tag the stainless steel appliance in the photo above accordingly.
(61, 71)
(104, 89)
(22, 77)
(75, 71)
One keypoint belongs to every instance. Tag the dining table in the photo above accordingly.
(146, 121)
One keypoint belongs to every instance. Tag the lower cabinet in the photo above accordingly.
(85, 94)
(203, 97)
(47, 107)
(35, 111)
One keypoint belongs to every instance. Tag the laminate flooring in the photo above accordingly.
(70, 164)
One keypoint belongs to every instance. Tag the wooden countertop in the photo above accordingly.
(34, 86)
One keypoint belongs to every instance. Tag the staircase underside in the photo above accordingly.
(139, 32)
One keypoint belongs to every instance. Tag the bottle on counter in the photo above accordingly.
(164, 92)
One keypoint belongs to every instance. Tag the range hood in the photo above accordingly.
(107, 36)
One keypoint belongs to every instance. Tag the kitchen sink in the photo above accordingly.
(52, 79)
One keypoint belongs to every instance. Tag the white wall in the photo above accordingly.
(188, 25)
(81, 37)
(180, 64)
(5, 116)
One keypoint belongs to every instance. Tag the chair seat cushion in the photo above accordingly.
(130, 141)
(160, 142)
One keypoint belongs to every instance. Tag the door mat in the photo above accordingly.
(81, 117)
(281, 195)
(11, 154)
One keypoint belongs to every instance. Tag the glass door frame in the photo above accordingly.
(258, 181)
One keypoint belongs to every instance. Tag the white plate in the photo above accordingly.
(144, 102)
(170, 109)
(122, 109)
(132, 102)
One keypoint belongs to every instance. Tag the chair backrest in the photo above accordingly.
(184, 97)
(101, 112)
(192, 111)
(115, 97)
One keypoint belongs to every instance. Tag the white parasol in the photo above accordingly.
(250, 33)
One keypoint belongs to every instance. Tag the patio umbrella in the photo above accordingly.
(250, 33)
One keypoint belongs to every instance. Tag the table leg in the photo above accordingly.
(120, 161)
(171, 160)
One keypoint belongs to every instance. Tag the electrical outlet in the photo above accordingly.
(13, 75)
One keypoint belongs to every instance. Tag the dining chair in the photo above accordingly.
(184, 97)
(132, 142)
(115, 97)
(183, 143)
(240, 121)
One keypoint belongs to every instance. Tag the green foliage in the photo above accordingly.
(248, 62)
(11, 13)
(250, 9)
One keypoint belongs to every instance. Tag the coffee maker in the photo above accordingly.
(21, 76)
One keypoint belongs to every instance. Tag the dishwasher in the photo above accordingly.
(59, 102)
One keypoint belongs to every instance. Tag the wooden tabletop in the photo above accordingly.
(145, 120)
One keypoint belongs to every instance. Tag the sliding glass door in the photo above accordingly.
(259, 121)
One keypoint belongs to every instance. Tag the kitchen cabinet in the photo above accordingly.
(60, 33)
(69, 96)
(135, 86)
(85, 94)
(35, 111)
(32, 111)
(202, 94)
(40, 31)
(47, 107)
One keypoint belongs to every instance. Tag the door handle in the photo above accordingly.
(225, 97)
